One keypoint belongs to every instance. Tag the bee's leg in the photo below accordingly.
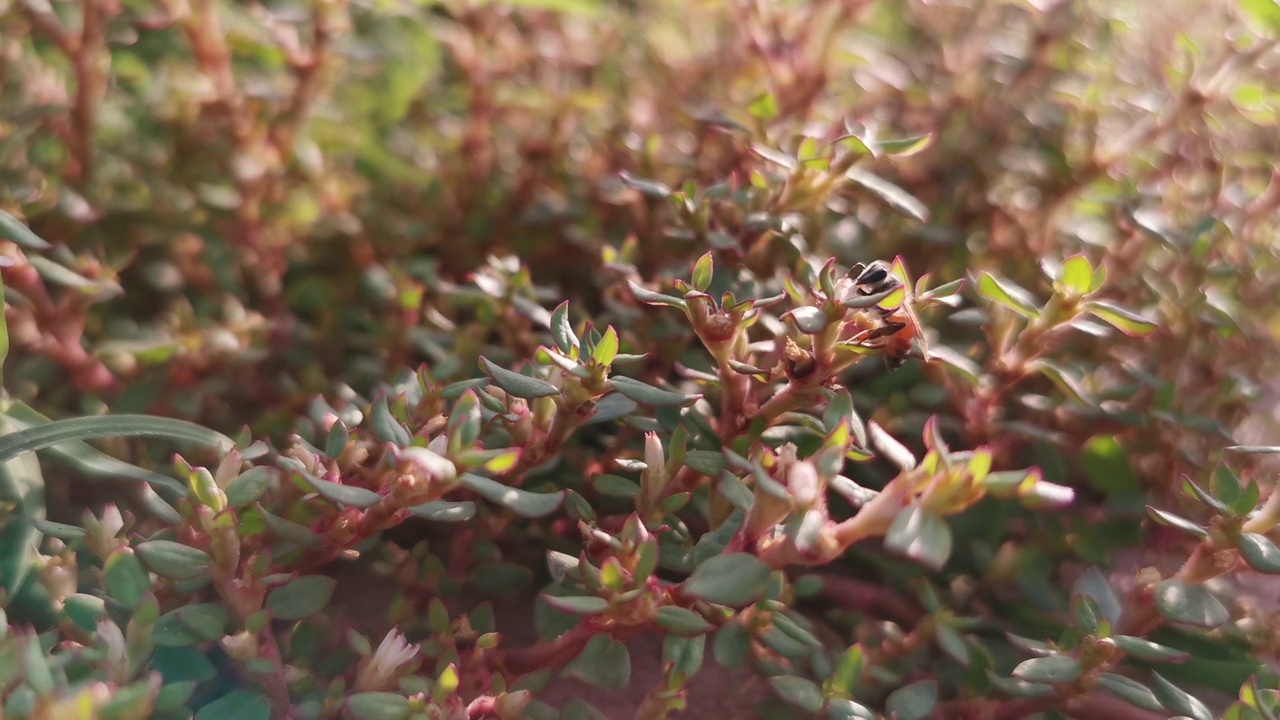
(886, 330)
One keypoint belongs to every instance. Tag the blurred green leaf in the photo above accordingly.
(731, 644)
(378, 706)
(1261, 554)
(1006, 293)
(1192, 604)
(684, 653)
(680, 621)
(1130, 691)
(1107, 466)
(521, 386)
(1075, 276)
(1175, 699)
(302, 597)
(914, 701)
(648, 394)
(521, 502)
(445, 511)
(1147, 650)
(11, 228)
(920, 536)
(87, 428)
(1049, 670)
(798, 691)
(238, 704)
(124, 578)
(1126, 321)
(895, 197)
(735, 580)
(604, 663)
(174, 560)
(1175, 521)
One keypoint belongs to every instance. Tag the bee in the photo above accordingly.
(895, 331)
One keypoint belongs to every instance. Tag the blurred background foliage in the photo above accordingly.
(248, 205)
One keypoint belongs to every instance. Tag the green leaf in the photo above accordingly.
(702, 272)
(764, 107)
(386, 427)
(1130, 691)
(1126, 321)
(1176, 521)
(59, 530)
(190, 625)
(249, 487)
(521, 386)
(240, 704)
(291, 531)
(680, 621)
(87, 428)
(577, 604)
(907, 146)
(1092, 583)
(521, 502)
(1066, 380)
(604, 663)
(1191, 604)
(649, 188)
(1260, 553)
(1191, 489)
(341, 495)
(1075, 276)
(11, 228)
(914, 701)
(124, 578)
(445, 511)
(842, 709)
(650, 395)
(735, 580)
(798, 691)
(1006, 293)
(707, 462)
(1146, 650)
(302, 597)
(561, 331)
(1050, 670)
(895, 197)
(921, 536)
(650, 297)
(684, 653)
(1086, 613)
(607, 349)
(378, 706)
(615, 486)
(1254, 449)
(1264, 15)
(174, 560)
(92, 462)
(952, 644)
(1175, 699)
(85, 610)
(731, 644)
(1107, 466)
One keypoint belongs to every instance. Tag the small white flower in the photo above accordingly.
(804, 482)
(653, 456)
(112, 522)
(393, 652)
